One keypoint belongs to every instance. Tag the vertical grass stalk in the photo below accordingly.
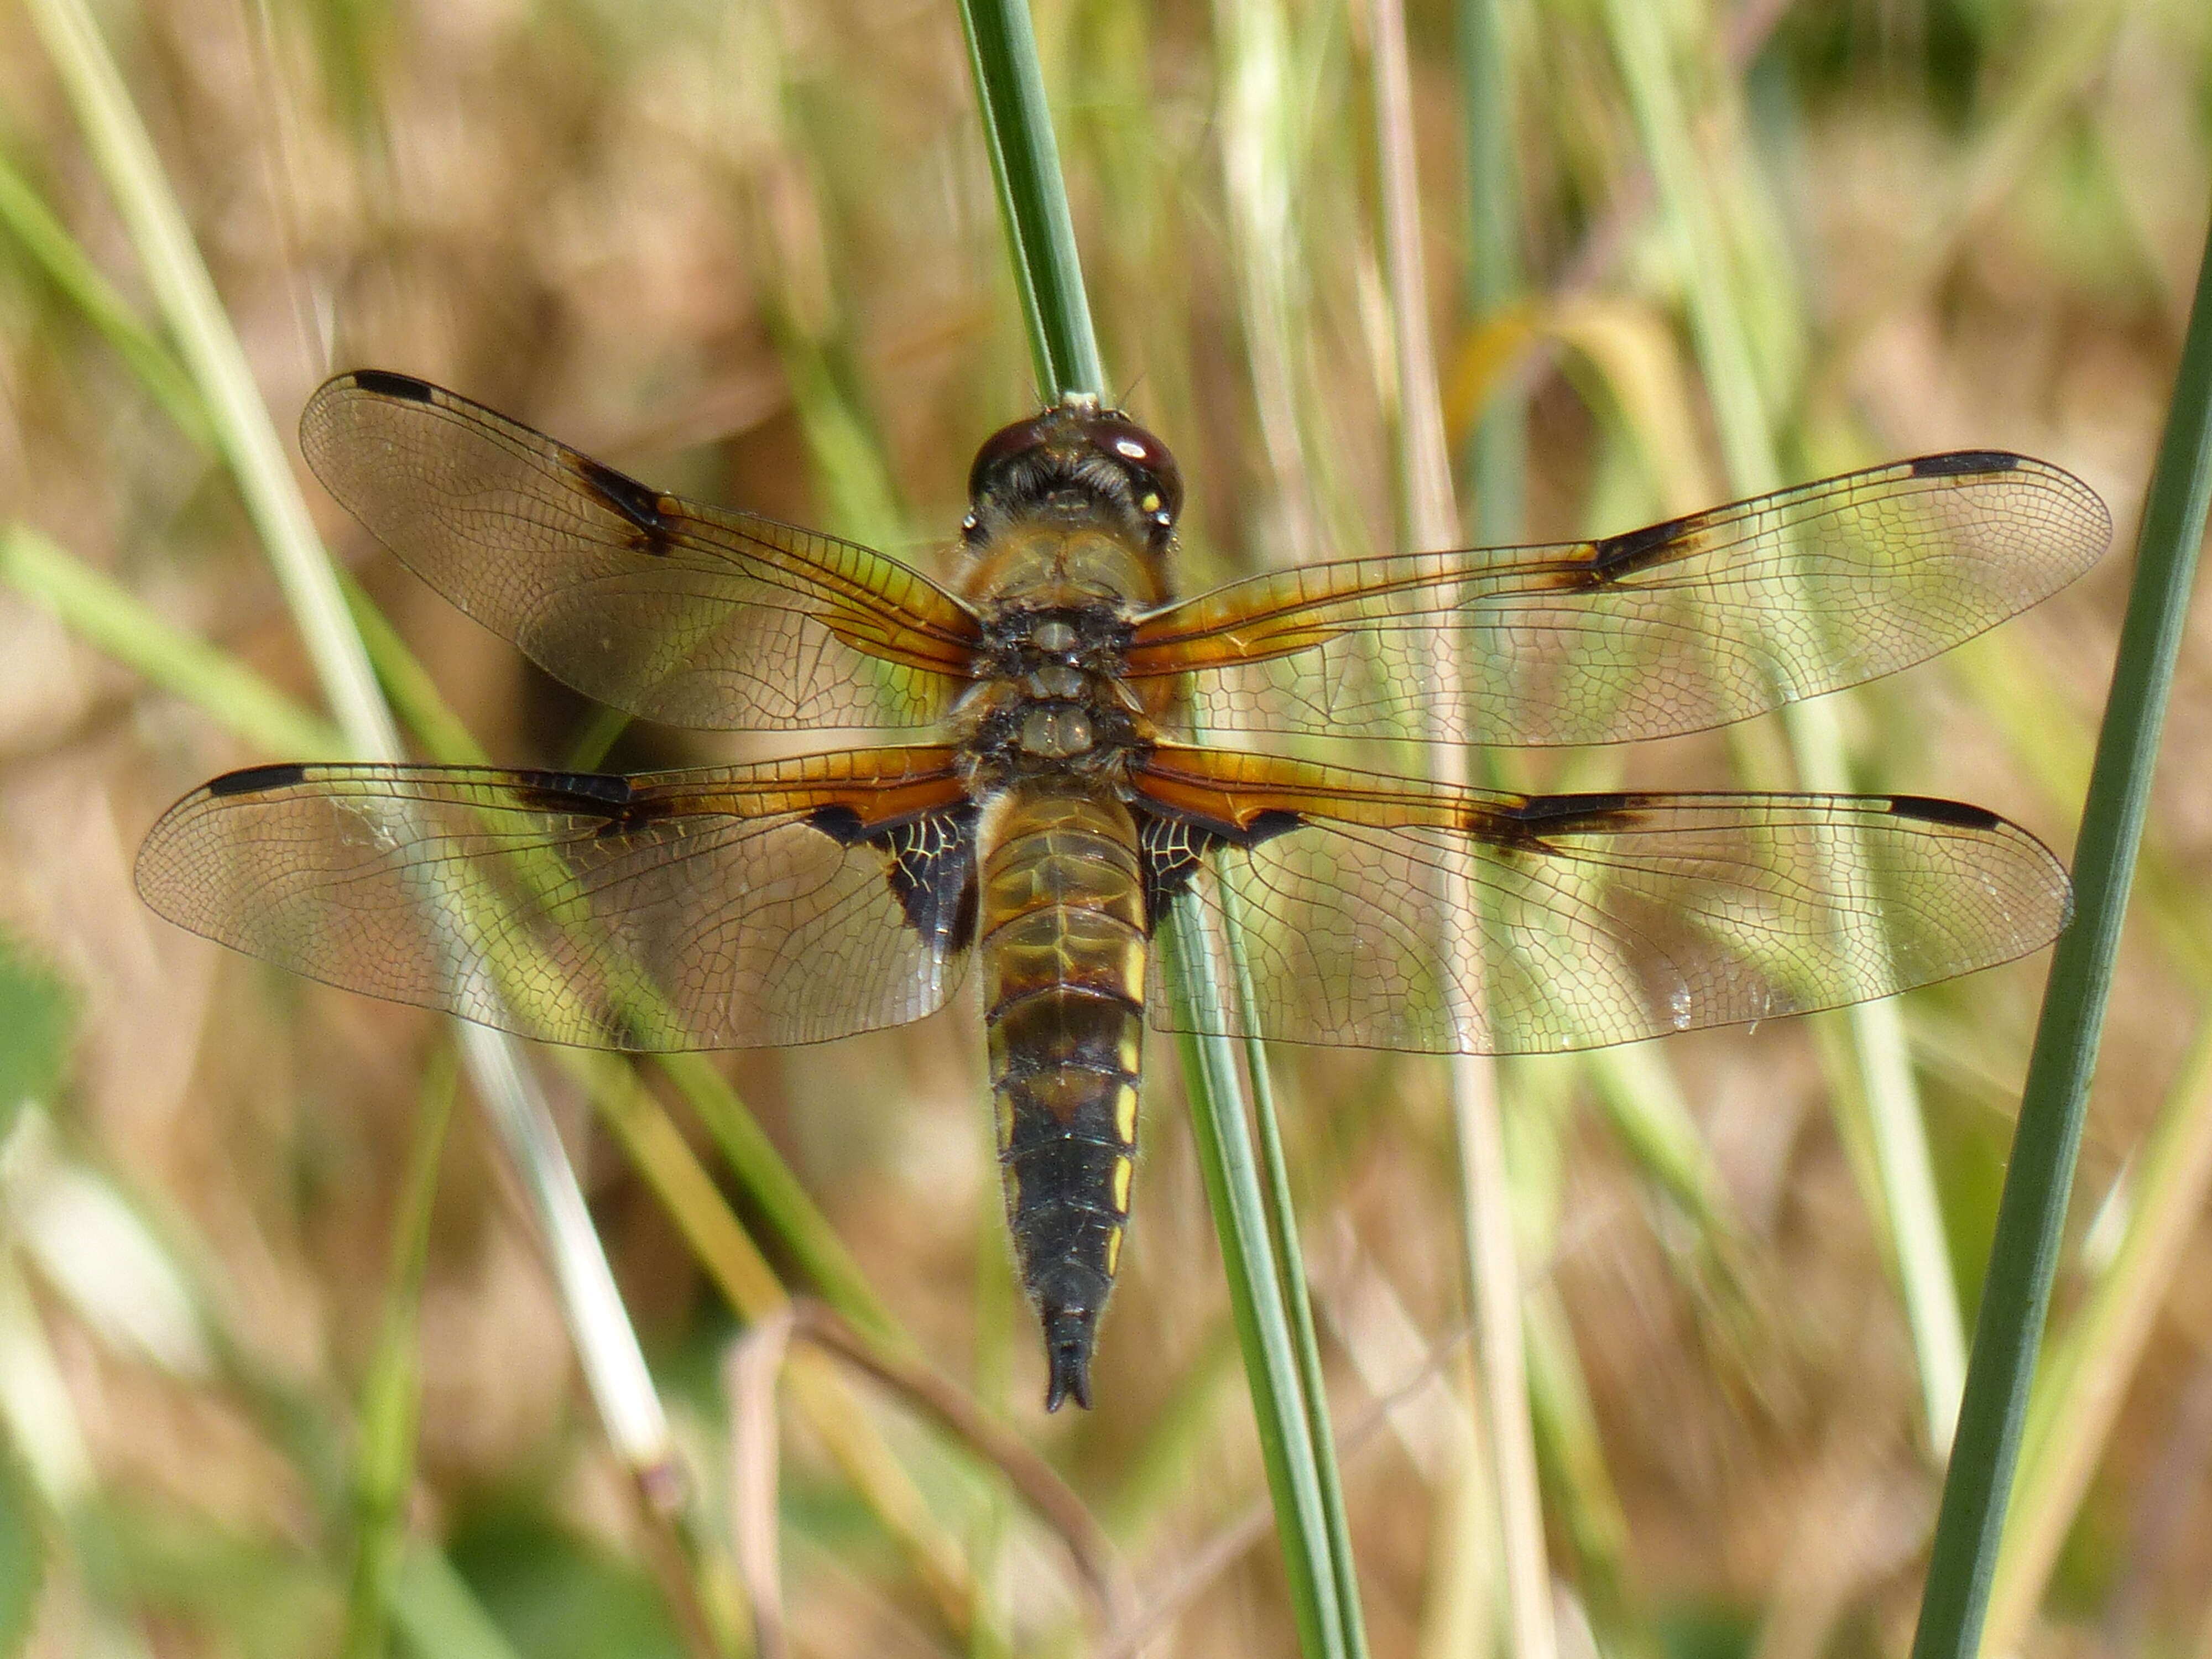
(1882, 1062)
(1032, 198)
(1497, 467)
(613, 1364)
(392, 1394)
(2031, 1214)
(1197, 968)
(2083, 1382)
(1266, 1293)
(1432, 520)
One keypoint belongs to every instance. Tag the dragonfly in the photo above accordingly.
(1045, 801)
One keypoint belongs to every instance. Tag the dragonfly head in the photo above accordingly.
(1076, 458)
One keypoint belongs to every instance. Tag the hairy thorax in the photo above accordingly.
(1057, 594)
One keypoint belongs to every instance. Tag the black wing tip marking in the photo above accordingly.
(1963, 463)
(387, 384)
(251, 779)
(1952, 814)
(1613, 556)
(1557, 813)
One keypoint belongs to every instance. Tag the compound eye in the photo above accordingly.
(1006, 444)
(1158, 480)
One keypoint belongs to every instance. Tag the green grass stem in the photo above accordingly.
(262, 716)
(48, 240)
(1290, 1281)
(2087, 1370)
(1032, 198)
(392, 1392)
(1880, 1058)
(613, 1363)
(1196, 971)
(1267, 1291)
(433, 1607)
(1431, 518)
(2031, 1214)
(1497, 456)
(110, 617)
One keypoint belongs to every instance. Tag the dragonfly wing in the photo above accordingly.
(1385, 913)
(1693, 623)
(719, 908)
(678, 612)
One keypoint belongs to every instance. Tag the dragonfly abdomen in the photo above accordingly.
(1061, 936)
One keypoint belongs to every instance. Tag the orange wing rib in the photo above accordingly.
(1594, 919)
(718, 908)
(690, 614)
(1695, 622)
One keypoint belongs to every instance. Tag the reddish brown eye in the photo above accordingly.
(1003, 445)
(1158, 480)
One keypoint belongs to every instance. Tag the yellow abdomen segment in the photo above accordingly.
(1061, 931)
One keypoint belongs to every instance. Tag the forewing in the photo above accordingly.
(685, 614)
(721, 908)
(1688, 624)
(1383, 913)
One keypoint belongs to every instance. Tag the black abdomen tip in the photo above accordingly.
(1069, 1333)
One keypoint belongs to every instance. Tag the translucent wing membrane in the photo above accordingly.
(1688, 624)
(719, 908)
(1587, 920)
(681, 613)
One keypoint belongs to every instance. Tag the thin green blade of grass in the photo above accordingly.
(1592, 1519)
(782, 1198)
(2084, 1378)
(66, 264)
(1292, 1417)
(110, 617)
(1496, 452)
(614, 1365)
(1880, 1057)
(2032, 1213)
(433, 1607)
(1032, 199)
(1290, 1281)
(22, 1552)
(1255, 1295)
(261, 715)
(1432, 520)
(621, 1386)
(391, 1392)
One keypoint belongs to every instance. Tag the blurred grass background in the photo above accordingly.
(750, 251)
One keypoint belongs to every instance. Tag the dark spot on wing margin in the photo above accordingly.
(252, 779)
(1955, 813)
(386, 384)
(1961, 462)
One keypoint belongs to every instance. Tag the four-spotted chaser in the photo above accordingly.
(1059, 802)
